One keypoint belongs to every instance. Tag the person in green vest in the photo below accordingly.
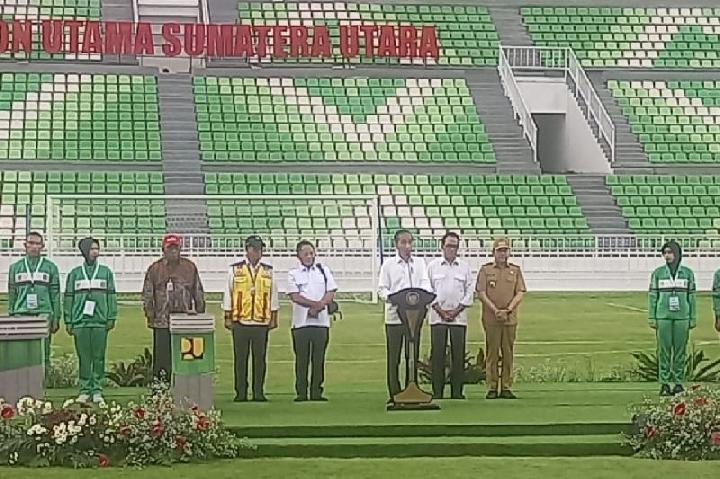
(90, 311)
(34, 288)
(672, 314)
(716, 299)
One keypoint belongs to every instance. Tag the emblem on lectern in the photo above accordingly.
(192, 349)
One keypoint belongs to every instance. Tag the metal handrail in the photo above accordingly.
(520, 108)
(585, 88)
(532, 58)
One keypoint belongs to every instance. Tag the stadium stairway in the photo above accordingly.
(512, 152)
(181, 157)
(628, 150)
(509, 25)
(118, 10)
(598, 206)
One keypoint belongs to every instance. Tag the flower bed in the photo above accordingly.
(686, 426)
(152, 431)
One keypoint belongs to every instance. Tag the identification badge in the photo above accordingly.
(674, 304)
(89, 308)
(32, 301)
(169, 287)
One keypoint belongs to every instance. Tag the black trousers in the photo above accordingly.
(245, 339)
(438, 343)
(396, 341)
(162, 354)
(310, 344)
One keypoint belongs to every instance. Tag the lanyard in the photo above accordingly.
(253, 273)
(37, 268)
(674, 278)
(95, 273)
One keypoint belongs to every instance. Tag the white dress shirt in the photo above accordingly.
(310, 284)
(397, 274)
(230, 284)
(453, 283)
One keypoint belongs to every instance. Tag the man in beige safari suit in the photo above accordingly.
(500, 287)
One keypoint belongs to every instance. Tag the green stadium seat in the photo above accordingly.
(93, 117)
(686, 112)
(33, 10)
(627, 37)
(466, 34)
(296, 121)
(446, 202)
(79, 215)
(681, 204)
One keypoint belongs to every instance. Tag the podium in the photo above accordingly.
(192, 338)
(22, 356)
(412, 305)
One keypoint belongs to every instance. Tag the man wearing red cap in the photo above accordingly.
(172, 285)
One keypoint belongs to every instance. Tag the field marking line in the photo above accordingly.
(629, 308)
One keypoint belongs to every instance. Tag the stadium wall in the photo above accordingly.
(565, 141)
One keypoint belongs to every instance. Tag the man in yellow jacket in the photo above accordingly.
(251, 310)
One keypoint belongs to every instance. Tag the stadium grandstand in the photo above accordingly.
(577, 130)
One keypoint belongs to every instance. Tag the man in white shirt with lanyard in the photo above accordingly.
(397, 273)
(311, 287)
(452, 282)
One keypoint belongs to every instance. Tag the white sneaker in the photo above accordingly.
(97, 398)
(83, 398)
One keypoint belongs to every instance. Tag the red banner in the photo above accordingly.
(219, 40)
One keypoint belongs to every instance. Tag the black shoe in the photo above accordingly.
(457, 396)
(239, 398)
(678, 389)
(437, 396)
(492, 394)
(507, 394)
(259, 399)
(300, 399)
(665, 390)
(319, 398)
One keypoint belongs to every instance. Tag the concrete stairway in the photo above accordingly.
(512, 150)
(509, 25)
(598, 206)
(181, 156)
(118, 10)
(628, 150)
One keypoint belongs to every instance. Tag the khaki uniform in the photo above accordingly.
(501, 284)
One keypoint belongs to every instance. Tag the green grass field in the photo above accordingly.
(568, 337)
(588, 334)
(426, 468)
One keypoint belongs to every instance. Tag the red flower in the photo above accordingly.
(679, 409)
(650, 432)
(157, 429)
(203, 423)
(700, 402)
(124, 431)
(103, 460)
(715, 438)
(139, 413)
(7, 412)
(180, 442)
